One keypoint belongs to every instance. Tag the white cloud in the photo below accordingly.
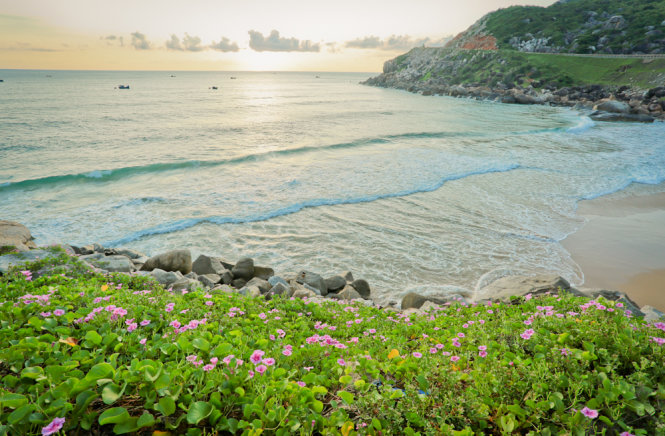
(274, 42)
(392, 43)
(139, 41)
(224, 45)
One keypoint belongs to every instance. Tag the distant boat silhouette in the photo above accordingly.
(1, 80)
(213, 87)
(232, 77)
(172, 75)
(123, 86)
(318, 77)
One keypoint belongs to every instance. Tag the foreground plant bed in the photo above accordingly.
(84, 353)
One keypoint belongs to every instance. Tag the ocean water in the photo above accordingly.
(413, 193)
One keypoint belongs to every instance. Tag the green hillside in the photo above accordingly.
(583, 26)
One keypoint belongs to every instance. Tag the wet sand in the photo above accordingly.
(622, 246)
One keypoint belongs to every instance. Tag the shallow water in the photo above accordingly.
(410, 192)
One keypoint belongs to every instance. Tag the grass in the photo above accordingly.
(83, 353)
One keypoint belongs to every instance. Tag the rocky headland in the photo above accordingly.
(573, 53)
(176, 271)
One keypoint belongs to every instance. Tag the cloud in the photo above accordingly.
(274, 42)
(111, 39)
(224, 44)
(24, 46)
(189, 43)
(139, 41)
(392, 43)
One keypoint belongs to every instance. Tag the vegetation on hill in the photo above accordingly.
(83, 353)
(583, 26)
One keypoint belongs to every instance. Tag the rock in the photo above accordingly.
(244, 269)
(416, 301)
(176, 260)
(116, 263)
(192, 275)
(651, 314)
(277, 279)
(635, 118)
(166, 278)
(335, 283)
(132, 254)
(349, 293)
(429, 305)
(209, 280)
(141, 260)
(92, 257)
(227, 277)
(207, 265)
(509, 99)
(526, 99)
(226, 289)
(362, 287)
(16, 235)
(238, 283)
(263, 285)
(304, 293)
(505, 287)
(314, 280)
(185, 284)
(250, 291)
(347, 276)
(613, 106)
(618, 296)
(263, 272)
(9, 260)
(280, 289)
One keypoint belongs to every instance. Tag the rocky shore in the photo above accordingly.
(499, 76)
(606, 103)
(176, 271)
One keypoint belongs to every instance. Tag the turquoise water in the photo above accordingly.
(410, 192)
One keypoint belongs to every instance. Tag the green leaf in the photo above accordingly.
(198, 411)
(12, 400)
(20, 414)
(112, 392)
(240, 391)
(145, 420)
(166, 406)
(127, 426)
(345, 379)
(32, 372)
(201, 344)
(100, 371)
(347, 397)
(376, 424)
(93, 337)
(317, 406)
(115, 415)
(507, 423)
(397, 393)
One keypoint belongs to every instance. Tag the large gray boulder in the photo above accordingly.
(209, 280)
(314, 280)
(9, 260)
(613, 106)
(263, 272)
(274, 280)
(166, 278)
(243, 269)
(629, 118)
(651, 314)
(207, 265)
(505, 287)
(304, 293)
(132, 254)
(263, 285)
(335, 283)
(185, 284)
(362, 287)
(115, 263)
(413, 300)
(175, 260)
(280, 288)
(227, 277)
(348, 293)
(16, 235)
(250, 291)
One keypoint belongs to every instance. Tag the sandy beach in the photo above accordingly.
(621, 245)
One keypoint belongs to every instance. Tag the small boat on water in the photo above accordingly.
(1, 80)
(213, 87)
(123, 86)
(233, 77)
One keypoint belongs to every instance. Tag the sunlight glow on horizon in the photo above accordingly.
(254, 35)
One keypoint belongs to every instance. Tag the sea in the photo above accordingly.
(310, 171)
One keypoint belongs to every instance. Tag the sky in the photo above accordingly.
(222, 35)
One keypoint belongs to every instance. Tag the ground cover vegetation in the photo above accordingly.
(86, 353)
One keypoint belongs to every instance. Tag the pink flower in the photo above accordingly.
(192, 358)
(341, 362)
(625, 433)
(58, 312)
(45, 314)
(461, 335)
(482, 347)
(227, 359)
(53, 427)
(143, 341)
(256, 356)
(250, 373)
(209, 303)
(564, 351)
(261, 369)
(214, 360)
(433, 350)
(454, 358)
(209, 367)
(589, 413)
(482, 353)
(145, 322)
(286, 352)
(269, 361)
(302, 384)
(417, 355)
(439, 346)
(308, 368)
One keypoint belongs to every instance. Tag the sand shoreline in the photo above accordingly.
(622, 245)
